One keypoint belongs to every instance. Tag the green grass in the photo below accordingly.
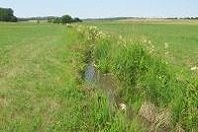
(36, 75)
(41, 68)
(41, 88)
(181, 37)
(146, 76)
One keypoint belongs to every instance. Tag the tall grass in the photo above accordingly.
(145, 77)
(96, 113)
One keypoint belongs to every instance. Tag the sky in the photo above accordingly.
(103, 8)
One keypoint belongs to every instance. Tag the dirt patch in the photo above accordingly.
(157, 120)
(148, 111)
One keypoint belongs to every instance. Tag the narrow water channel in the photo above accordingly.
(90, 74)
(104, 82)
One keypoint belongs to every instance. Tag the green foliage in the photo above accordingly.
(57, 20)
(77, 19)
(129, 64)
(180, 36)
(7, 15)
(101, 55)
(65, 19)
(41, 87)
(147, 77)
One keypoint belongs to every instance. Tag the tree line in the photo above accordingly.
(64, 19)
(7, 15)
(52, 19)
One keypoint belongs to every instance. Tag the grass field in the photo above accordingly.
(40, 82)
(41, 68)
(37, 79)
(180, 37)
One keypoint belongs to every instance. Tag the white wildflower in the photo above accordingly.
(122, 106)
(149, 42)
(166, 45)
(145, 41)
(151, 48)
(120, 37)
(194, 68)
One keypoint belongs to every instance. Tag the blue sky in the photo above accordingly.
(103, 8)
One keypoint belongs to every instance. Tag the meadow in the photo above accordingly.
(38, 87)
(179, 38)
(42, 86)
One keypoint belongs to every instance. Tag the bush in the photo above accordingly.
(77, 19)
(65, 19)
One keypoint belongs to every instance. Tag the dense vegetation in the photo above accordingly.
(40, 86)
(53, 19)
(65, 19)
(42, 65)
(175, 41)
(37, 18)
(145, 77)
(7, 15)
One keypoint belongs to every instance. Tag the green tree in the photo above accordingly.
(7, 14)
(77, 19)
(66, 19)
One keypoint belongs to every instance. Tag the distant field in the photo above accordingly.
(180, 37)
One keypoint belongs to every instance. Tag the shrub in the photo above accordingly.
(65, 19)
